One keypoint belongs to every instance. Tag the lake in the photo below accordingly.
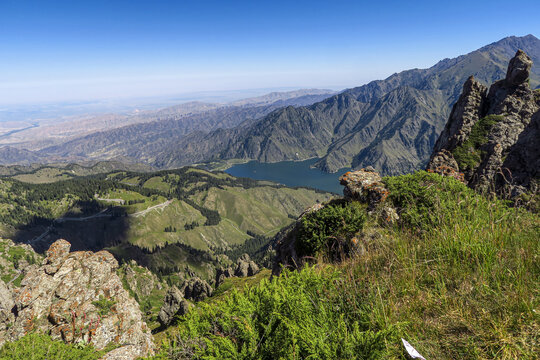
(290, 173)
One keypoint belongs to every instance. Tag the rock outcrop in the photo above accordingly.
(246, 267)
(139, 279)
(364, 185)
(196, 289)
(492, 136)
(222, 274)
(173, 305)
(77, 297)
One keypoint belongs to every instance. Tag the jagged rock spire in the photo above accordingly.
(493, 138)
(519, 68)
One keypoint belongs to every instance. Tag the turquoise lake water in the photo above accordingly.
(290, 173)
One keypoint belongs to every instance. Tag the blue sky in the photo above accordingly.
(75, 50)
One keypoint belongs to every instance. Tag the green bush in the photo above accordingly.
(425, 200)
(330, 229)
(42, 347)
(309, 314)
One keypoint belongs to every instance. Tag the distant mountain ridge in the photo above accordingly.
(391, 124)
(145, 141)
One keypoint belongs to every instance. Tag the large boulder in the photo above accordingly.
(519, 69)
(443, 163)
(77, 297)
(173, 305)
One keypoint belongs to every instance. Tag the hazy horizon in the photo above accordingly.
(66, 51)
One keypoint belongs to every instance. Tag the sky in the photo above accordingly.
(85, 50)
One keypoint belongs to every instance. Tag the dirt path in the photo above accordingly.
(145, 211)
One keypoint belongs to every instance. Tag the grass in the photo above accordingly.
(467, 286)
(157, 183)
(42, 347)
(263, 210)
(458, 277)
(294, 317)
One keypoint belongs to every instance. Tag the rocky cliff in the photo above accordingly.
(491, 138)
(76, 297)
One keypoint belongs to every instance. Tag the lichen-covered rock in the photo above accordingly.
(364, 185)
(389, 215)
(505, 146)
(196, 289)
(78, 297)
(173, 305)
(246, 267)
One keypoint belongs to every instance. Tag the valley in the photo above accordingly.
(156, 218)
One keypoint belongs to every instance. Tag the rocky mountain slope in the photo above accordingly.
(391, 124)
(492, 136)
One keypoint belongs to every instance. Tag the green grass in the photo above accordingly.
(468, 155)
(157, 183)
(42, 347)
(458, 277)
(293, 317)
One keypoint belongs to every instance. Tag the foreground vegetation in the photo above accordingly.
(458, 277)
(42, 347)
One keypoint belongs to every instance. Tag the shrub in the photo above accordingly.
(42, 347)
(425, 200)
(309, 314)
(330, 229)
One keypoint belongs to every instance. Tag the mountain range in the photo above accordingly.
(391, 124)
(138, 137)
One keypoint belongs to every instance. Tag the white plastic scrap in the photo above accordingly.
(412, 351)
